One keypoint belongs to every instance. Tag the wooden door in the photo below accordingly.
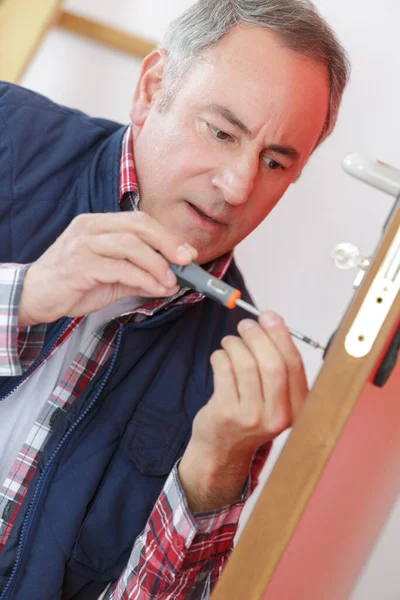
(332, 488)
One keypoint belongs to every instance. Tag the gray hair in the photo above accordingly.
(297, 22)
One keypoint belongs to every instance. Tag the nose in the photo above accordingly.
(235, 180)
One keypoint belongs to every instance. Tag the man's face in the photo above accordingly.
(237, 134)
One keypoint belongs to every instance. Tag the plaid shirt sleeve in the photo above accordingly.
(181, 555)
(19, 347)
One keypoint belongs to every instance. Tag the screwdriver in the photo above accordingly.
(195, 277)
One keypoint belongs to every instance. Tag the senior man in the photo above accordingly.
(127, 453)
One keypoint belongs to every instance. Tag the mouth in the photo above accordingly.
(205, 216)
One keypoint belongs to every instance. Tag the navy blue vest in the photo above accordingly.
(109, 456)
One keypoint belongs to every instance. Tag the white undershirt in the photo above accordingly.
(18, 412)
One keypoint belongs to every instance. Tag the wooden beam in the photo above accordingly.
(108, 36)
(23, 24)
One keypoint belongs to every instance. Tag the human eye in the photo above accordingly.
(273, 165)
(219, 134)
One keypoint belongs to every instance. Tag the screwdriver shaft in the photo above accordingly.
(254, 311)
(246, 306)
(198, 279)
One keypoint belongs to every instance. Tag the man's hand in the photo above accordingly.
(99, 259)
(259, 388)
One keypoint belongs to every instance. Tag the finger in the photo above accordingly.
(111, 271)
(129, 247)
(224, 377)
(273, 374)
(248, 380)
(141, 224)
(279, 334)
(124, 291)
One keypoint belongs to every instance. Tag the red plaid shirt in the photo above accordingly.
(178, 554)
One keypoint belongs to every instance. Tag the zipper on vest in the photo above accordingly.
(42, 357)
(42, 479)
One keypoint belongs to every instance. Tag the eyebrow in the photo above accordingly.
(227, 114)
(285, 151)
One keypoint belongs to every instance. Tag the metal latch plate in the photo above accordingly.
(377, 304)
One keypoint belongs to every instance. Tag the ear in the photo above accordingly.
(149, 87)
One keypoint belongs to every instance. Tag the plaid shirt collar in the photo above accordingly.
(129, 200)
(128, 187)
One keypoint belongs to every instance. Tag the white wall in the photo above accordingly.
(287, 260)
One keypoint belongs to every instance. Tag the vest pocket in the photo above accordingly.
(152, 441)
(129, 488)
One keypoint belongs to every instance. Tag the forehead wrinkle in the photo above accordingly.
(285, 121)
